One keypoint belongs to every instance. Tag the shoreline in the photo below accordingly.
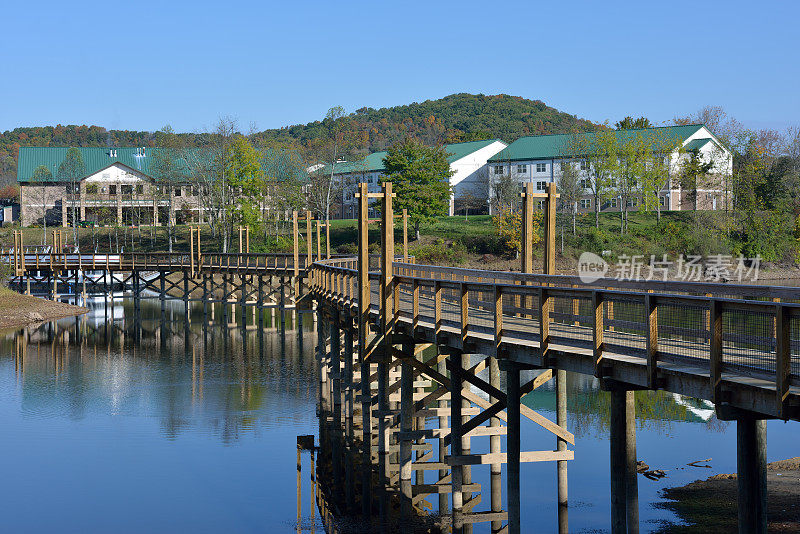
(18, 310)
(710, 505)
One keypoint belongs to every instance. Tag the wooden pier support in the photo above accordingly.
(624, 486)
(751, 464)
(513, 444)
(561, 445)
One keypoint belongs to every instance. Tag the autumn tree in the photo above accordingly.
(420, 176)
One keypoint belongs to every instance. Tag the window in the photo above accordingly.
(112, 189)
(540, 205)
(498, 170)
(541, 167)
(612, 182)
(586, 203)
(584, 166)
(139, 189)
(177, 191)
(91, 189)
(522, 169)
(632, 202)
(586, 183)
(662, 201)
(127, 189)
(612, 203)
(541, 186)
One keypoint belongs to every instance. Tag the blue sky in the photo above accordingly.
(139, 65)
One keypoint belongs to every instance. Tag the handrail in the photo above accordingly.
(659, 321)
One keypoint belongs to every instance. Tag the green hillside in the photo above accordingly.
(454, 118)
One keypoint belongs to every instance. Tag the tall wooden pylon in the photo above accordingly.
(296, 255)
(528, 207)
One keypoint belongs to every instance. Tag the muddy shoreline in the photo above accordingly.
(17, 310)
(710, 505)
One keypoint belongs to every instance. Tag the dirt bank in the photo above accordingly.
(709, 506)
(19, 310)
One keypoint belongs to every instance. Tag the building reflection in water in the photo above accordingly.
(219, 371)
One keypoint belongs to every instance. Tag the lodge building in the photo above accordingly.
(117, 188)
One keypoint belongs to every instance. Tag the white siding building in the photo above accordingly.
(538, 159)
(468, 161)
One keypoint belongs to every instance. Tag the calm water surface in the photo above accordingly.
(149, 425)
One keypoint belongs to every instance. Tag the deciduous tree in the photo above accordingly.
(420, 176)
(71, 170)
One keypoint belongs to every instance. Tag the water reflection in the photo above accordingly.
(131, 420)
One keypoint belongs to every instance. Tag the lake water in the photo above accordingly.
(148, 425)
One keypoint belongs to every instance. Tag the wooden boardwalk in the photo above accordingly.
(397, 344)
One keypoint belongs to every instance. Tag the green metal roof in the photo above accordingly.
(697, 144)
(97, 159)
(374, 162)
(560, 145)
(94, 159)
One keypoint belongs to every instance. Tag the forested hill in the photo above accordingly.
(454, 118)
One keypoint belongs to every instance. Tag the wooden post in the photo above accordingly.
(618, 461)
(715, 353)
(631, 480)
(456, 443)
(319, 242)
(495, 447)
(405, 235)
(561, 445)
(751, 464)
(309, 241)
(527, 226)
(296, 251)
(406, 424)
(364, 295)
(550, 230)
(387, 323)
(336, 387)
(783, 357)
(652, 340)
(597, 333)
(328, 239)
(513, 445)
(191, 249)
(444, 501)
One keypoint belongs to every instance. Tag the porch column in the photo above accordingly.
(82, 189)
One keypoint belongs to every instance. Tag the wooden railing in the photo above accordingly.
(727, 331)
(38, 260)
